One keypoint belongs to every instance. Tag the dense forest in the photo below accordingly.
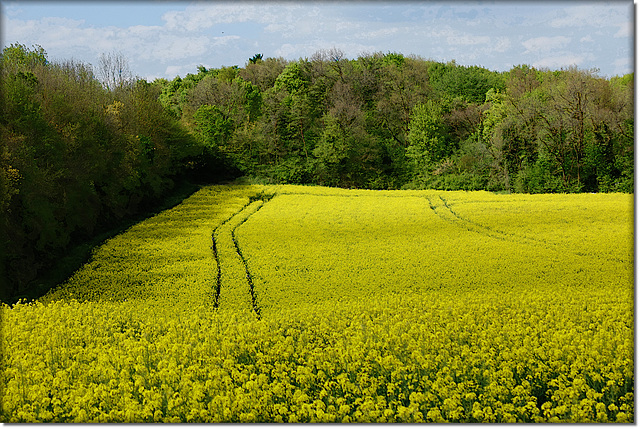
(81, 152)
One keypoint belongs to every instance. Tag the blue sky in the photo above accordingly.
(165, 39)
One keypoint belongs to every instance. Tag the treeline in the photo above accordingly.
(79, 153)
(390, 121)
(75, 157)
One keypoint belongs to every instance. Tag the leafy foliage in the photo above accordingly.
(427, 137)
(74, 158)
(363, 123)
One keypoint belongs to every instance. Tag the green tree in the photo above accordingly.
(469, 83)
(332, 153)
(74, 158)
(428, 142)
(264, 73)
(17, 57)
(385, 120)
(403, 86)
(255, 59)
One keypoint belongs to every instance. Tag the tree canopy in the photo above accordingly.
(390, 121)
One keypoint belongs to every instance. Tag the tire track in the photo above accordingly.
(252, 289)
(256, 202)
(450, 215)
(445, 212)
(492, 232)
(216, 256)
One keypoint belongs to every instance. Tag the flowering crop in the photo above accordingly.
(311, 304)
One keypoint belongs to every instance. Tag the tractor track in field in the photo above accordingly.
(483, 229)
(218, 284)
(451, 216)
(216, 256)
(252, 289)
(479, 228)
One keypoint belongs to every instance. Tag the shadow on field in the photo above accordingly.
(79, 254)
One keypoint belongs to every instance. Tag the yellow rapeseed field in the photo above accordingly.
(311, 304)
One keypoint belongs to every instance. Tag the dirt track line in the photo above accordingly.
(252, 290)
(263, 198)
(479, 228)
(483, 229)
(499, 234)
(216, 254)
(218, 284)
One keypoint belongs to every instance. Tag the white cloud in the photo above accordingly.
(598, 16)
(144, 30)
(593, 15)
(545, 43)
(559, 61)
(12, 10)
(224, 40)
(181, 70)
(467, 39)
(442, 31)
(299, 24)
(16, 30)
(502, 44)
(622, 66)
(205, 15)
(377, 34)
(288, 49)
(344, 26)
(55, 21)
(625, 30)
(172, 48)
(489, 37)
(278, 28)
(69, 38)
